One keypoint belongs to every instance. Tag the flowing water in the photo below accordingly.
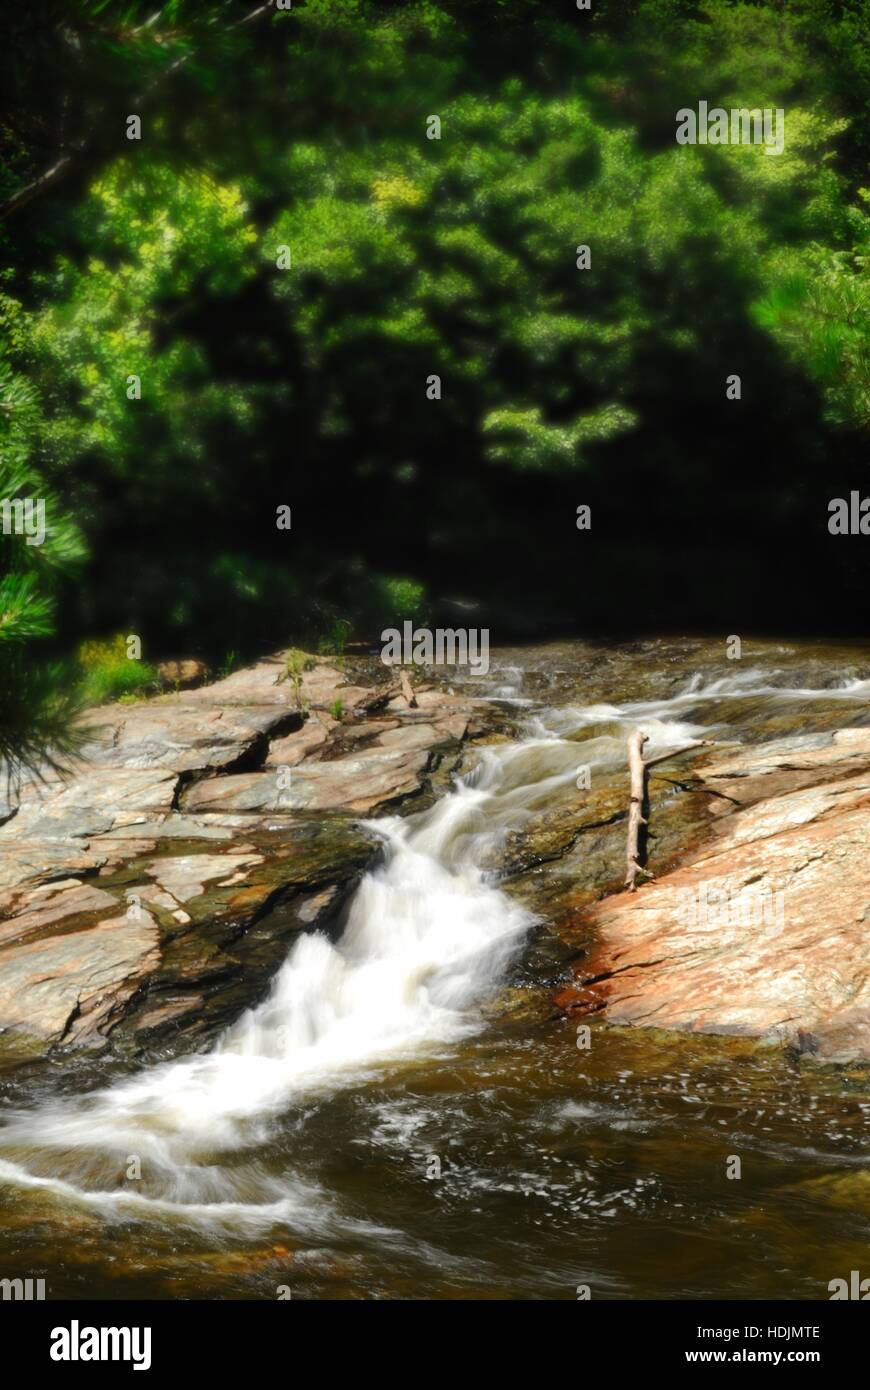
(374, 1129)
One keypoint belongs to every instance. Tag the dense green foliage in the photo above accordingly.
(818, 307)
(305, 385)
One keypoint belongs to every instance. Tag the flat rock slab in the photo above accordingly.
(91, 803)
(70, 988)
(776, 814)
(124, 917)
(746, 774)
(424, 735)
(781, 948)
(31, 864)
(186, 877)
(264, 683)
(61, 833)
(172, 733)
(366, 729)
(267, 684)
(433, 704)
(56, 902)
(360, 784)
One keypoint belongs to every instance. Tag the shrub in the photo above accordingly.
(107, 673)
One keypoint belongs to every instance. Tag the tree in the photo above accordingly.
(818, 307)
(285, 260)
(36, 704)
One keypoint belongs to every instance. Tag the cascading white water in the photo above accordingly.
(429, 935)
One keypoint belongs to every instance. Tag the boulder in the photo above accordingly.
(781, 950)
(182, 674)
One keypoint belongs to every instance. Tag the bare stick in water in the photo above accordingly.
(636, 818)
(637, 767)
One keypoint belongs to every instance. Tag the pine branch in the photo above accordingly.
(90, 151)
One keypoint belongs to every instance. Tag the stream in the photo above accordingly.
(376, 1128)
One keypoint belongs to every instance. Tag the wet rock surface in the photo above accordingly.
(762, 928)
(149, 894)
(569, 1151)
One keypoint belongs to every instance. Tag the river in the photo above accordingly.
(376, 1128)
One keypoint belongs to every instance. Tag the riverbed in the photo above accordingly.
(407, 1116)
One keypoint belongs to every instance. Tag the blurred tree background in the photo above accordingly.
(265, 384)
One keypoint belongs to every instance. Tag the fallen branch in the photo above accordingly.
(636, 818)
(404, 687)
(40, 185)
(638, 803)
(675, 752)
(407, 689)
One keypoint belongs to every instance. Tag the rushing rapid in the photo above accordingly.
(430, 935)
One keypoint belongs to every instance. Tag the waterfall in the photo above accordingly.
(429, 935)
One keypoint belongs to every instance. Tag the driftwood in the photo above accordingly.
(675, 752)
(407, 689)
(639, 804)
(404, 687)
(636, 818)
